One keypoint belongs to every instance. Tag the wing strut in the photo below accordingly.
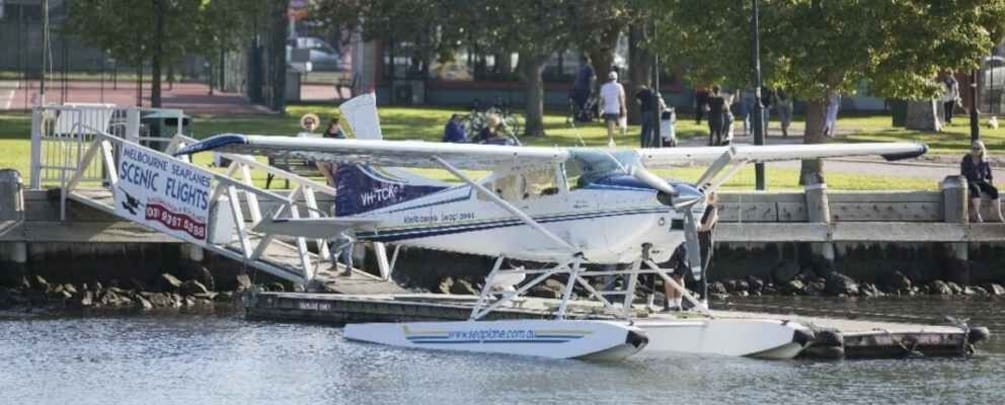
(508, 207)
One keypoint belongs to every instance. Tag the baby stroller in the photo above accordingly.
(668, 127)
(582, 109)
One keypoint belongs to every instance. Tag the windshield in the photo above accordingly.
(592, 164)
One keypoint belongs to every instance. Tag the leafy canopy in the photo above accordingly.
(815, 47)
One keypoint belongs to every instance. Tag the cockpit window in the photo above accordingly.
(586, 166)
(524, 185)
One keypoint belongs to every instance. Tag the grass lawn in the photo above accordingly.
(954, 139)
(427, 124)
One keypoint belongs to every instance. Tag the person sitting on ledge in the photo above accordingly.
(977, 170)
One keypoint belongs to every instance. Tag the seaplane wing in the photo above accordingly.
(317, 228)
(676, 157)
(382, 153)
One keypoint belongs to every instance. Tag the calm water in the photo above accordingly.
(189, 359)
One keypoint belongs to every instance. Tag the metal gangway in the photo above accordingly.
(78, 148)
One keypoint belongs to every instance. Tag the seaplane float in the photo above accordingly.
(570, 207)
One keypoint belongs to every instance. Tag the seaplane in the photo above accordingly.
(571, 208)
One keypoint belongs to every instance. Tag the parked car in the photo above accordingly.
(323, 57)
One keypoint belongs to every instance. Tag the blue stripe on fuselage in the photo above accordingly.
(425, 232)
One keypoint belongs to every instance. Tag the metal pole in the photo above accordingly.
(975, 128)
(45, 48)
(657, 137)
(755, 58)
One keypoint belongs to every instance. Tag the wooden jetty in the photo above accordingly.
(837, 338)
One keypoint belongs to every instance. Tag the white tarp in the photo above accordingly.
(163, 193)
(361, 113)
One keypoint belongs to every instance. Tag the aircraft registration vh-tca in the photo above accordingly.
(568, 207)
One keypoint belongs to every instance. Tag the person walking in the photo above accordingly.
(700, 104)
(976, 168)
(581, 89)
(783, 104)
(950, 96)
(716, 117)
(650, 104)
(612, 98)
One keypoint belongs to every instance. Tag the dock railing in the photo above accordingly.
(78, 149)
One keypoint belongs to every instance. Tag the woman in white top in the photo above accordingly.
(612, 98)
(950, 96)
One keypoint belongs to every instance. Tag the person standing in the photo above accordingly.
(977, 170)
(342, 246)
(650, 105)
(327, 169)
(678, 262)
(830, 119)
(783, 104)
(716, 117)
(950, 96)
(700, 104)
(612, 98)
(581, 88)
(767, 102)
(709, 219)
(745, 107)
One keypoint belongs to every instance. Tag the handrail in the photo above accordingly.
(282, 174)
(219, 177)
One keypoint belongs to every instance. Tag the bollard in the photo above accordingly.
(11, 212)
(818, 211)
(955, 207)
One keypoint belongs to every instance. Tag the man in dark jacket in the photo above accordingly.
(453, 132)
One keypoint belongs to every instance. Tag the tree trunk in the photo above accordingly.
(139, 83)
(170, 76)
(812, 169)
(504, 64)
(155, 62)
(640, 68)
(277, 53)
(534, 65)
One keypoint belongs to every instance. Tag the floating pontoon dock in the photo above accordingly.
(836, 338)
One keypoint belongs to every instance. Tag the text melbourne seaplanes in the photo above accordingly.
(163, 193)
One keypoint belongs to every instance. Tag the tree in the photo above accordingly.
(225, 25)
(815, 48)
(536, 30)
(137, 31)
(431, 28)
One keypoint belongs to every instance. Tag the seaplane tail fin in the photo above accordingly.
(361, 188)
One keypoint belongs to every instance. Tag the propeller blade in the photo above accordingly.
(693, 247)
(652, 180)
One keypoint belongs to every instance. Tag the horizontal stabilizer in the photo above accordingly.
(316, 228)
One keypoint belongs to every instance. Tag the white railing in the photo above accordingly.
(59, 134)
(230, 232)
(76, 148)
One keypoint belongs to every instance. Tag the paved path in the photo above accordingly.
(194, 98)
(934, 169)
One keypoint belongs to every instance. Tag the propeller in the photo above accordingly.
(680, 198)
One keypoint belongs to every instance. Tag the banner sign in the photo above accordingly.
(165, 194)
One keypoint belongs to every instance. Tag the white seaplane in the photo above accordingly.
(565, 206)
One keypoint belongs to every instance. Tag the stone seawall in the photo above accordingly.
(774, 263)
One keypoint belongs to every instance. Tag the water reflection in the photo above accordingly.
(224, 359)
